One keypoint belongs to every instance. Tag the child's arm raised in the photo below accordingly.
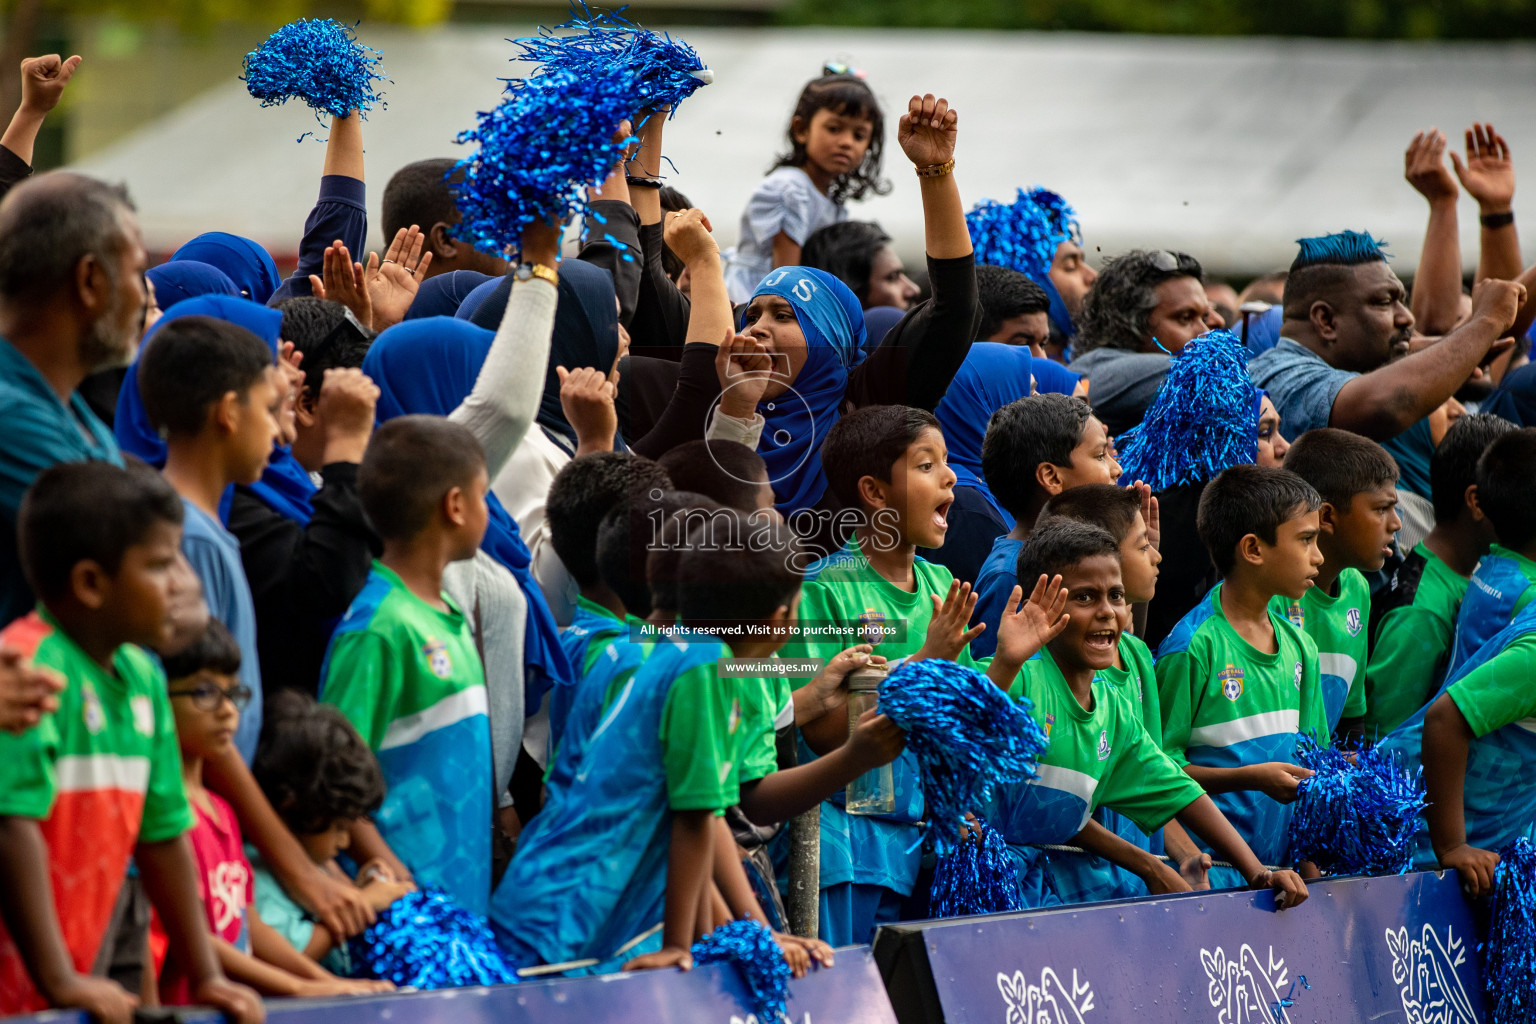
(170, 880)
(26, 907)
(1160, 877)
(1026, 627)
(339, 214)
(690, 860)
(1447, 740)
(1205, 820)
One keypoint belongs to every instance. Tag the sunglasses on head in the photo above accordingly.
(834, 68)
(1168, 262)
(207, 696)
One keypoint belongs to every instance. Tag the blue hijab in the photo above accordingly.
(428, 366)
(284, 486)
(797, 422)
(247, 264)
(187, 279)
(992, 376)
(442, 295)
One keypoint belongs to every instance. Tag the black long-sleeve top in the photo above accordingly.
(303, 578)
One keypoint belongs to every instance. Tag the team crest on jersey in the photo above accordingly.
(1298, 615)
(1298, 675)
(869, 626)
(436, 653)
(735, 718)
(1103, 744)
(1352, 622)
(1050, 720)
(1231, 682)
(95, 717)
(143, 715)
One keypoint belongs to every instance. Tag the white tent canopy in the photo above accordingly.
(1226, 148)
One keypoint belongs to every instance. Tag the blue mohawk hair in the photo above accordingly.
(1344, 248)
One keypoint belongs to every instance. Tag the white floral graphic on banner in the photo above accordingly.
(1425, 970)
(1050, 1002)
(1245, 989)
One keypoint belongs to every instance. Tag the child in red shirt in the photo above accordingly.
(206, 698)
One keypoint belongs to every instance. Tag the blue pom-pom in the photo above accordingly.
(976, 877)
(1509, 954)
(427, 941)
(318, 61)
(661, 71)
(552, 135)
(1022, 235)
(1204, 419)
(750, 946)
(968, 735)
(1358, 813)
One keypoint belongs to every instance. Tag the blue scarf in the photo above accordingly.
(428, 366)
(284, 486)
(992, 376)
(187, 279)
(247, 264)
(798, 420)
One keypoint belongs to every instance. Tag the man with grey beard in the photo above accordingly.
(1343, 358)
(72, 300)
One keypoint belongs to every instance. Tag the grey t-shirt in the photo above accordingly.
(1300, 383)
(1121, 384)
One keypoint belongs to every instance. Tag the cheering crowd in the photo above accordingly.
(426, 572)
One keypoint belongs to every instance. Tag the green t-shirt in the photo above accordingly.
(408, 677)
(1412, 645)
(860, 848)
(1099, 757)
(1139, 682)
(99, 775)
(1227, 705)
(768, 706)
(708, 739)
(1336, 625)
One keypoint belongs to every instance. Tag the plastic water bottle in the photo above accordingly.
(874, 792)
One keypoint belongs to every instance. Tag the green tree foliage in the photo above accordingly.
(1357, 19)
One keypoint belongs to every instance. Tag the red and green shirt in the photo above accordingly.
(99, 776)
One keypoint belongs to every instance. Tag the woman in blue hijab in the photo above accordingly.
(247, 264)
(443, 294)
(429, 366)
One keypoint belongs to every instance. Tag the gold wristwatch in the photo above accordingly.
(540, 270)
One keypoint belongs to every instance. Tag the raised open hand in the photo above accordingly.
(1424, 167)
(392, 284)
(1027, 626)
(927, 130)
(1489, 173)
(341, 280)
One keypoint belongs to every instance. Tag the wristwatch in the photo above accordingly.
(528, 270)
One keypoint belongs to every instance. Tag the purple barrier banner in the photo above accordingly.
(850, 992)
(1361, 949)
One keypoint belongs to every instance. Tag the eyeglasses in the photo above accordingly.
(208, 696)
(1175, 263)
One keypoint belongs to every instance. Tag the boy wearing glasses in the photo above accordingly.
(206, 700)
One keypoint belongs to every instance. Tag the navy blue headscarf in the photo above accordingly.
(187, 279)
(797, 421)
(428, 366)
(284, 486)
(586, 334)
(992, 376)
(247, 264)
(1515, 397)
(442, 295)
